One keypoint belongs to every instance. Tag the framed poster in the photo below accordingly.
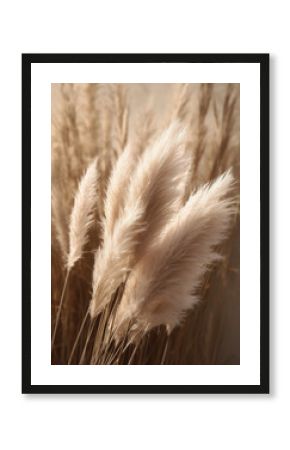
(145, 223)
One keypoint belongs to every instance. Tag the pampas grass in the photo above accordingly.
(81, 220)
(153, 195)
(144, 212)
(82, 215)
(164, 284)
(115, 194)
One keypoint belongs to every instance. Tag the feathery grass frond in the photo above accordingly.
(145, 130)
(82, 214)
(158, 181)
(164, 284)
(181, 102)
(116, 190)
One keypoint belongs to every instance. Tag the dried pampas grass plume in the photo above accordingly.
(158, 182)
(116, 190)
(114, 260)
(154, 195)
(164, 284)
(82, 214)
(81, 219)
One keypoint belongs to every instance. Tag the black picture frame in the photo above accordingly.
(27, 61)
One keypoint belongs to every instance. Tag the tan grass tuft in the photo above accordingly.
(82, 214)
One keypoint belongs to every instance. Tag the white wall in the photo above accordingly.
(76, 422)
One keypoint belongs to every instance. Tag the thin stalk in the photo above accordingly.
(100, 335)
(109, 359)
(59, 309)
(121, 346)
(99, 352)
(165, 351)
(89, 334)
(133, 354)
(113, 311)
(78, 337)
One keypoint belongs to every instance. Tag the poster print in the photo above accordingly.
(146, 181)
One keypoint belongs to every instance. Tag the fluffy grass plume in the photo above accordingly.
(165, 282)
(116, 190)
(81, 219)
(82, 215)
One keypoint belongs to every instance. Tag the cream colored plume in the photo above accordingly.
(153, 195)
(114, 260)
(115, 194)
(158, 182)
(164, 283)
(82, 214)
